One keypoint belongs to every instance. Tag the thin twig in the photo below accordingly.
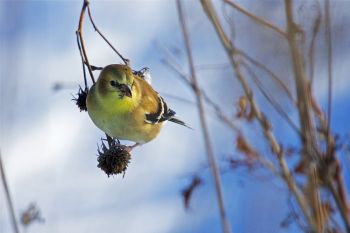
(177, 69)
(82, 61)
(184, 77)
(339, 193)
(276, 148)
(79, 31)
(302, 225)
(210, 153)
(173, 65)
(342, 208)
(93, 68)
(303, 95)
(269, 72)
(313, 194)
(257, 19)
(328, 32)
(177, 98)
(304, 115)
(219, 113)
(311, 53)
(304, 104)
(125, 60)
(272, 100)
(8, 197)
(212, 66)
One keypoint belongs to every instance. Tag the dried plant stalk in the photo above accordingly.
(8, 198)
(275, 147)
(210, 152)
(320, 167)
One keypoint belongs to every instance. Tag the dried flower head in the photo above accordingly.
(243, 146)
(113, 159)
(80, 100)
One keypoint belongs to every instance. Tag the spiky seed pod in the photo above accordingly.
(80, 100)
(113, 160)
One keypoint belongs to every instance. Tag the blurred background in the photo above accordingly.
(49, 147)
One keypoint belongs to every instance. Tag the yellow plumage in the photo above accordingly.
(126, 107)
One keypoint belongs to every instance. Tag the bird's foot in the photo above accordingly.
(114, 142)
(130, 148)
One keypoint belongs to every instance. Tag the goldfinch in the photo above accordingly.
(123, 105)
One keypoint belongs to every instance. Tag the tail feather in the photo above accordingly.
(178, 121)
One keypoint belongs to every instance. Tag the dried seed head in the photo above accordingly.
(80, 100)
(113, 160)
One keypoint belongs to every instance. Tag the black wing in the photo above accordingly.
(163, 114)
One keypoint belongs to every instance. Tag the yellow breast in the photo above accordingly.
(122, 118)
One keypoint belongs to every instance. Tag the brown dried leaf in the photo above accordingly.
(265, 123)
(188, 191)
(32, 214)
(300, 168)
(243, 109)
(243, 146)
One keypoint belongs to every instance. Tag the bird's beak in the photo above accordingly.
(126, 89)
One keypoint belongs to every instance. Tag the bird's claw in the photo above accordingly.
(114, 142)
(130, 148)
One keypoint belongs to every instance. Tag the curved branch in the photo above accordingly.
(79, 32)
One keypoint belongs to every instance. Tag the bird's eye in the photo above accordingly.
(113, 83)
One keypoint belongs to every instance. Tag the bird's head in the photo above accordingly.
(117, 79)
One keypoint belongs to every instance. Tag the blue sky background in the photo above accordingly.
(49, 147)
